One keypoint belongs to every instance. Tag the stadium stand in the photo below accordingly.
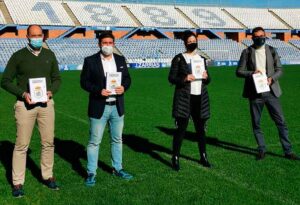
(161, 16)
(296, 43)
(72, 51)
(101, 14)
(249, 17)
(221, 49)
(162, 50)
(285, 51)
(26, 12)
(8, 47)
(2, 20)
(210, 17)
(290, 16)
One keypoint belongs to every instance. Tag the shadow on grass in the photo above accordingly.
(214, 141)
(142, 145)
(72, 152)
(6, 152)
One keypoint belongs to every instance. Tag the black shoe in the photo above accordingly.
(175, 163)
(18, 191)
(51, 184)
(292, 156)
(204, 161)
(260, 155)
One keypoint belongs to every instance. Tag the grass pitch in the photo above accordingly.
(236, 177)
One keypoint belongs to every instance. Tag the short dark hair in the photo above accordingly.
(256, 29)
(28, 28)
(106, 34)
(186, 36)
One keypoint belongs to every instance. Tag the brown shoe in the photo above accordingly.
(260, 155)
(292, 156)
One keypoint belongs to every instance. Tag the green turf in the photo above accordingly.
(237, 178)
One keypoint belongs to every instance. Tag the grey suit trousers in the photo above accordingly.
(274, 108)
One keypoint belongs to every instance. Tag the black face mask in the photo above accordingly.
(191, 47)
(259, 41)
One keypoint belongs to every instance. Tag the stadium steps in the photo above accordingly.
(293, 45)
(235, 19)
(71, 14)
(133, 17)
(117, 51)
(203, 54)
(187, 18)
(6, 13)
(280, 19)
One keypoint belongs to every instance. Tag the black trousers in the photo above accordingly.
(273, 106)
(199, 124)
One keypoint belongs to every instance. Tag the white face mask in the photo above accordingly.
(107, 50)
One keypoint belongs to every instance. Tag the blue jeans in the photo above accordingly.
(97, 127)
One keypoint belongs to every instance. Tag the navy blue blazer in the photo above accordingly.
(93, 80)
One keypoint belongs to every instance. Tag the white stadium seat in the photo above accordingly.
(160, 16)
(38, 12)
(290, 16)
(249, 17)
(101, 14)
(210, 17)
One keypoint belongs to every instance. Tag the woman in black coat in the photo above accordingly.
(190, 98)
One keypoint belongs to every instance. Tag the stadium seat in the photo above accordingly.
(285, 51)
(161, 16)
(290, 16)
(38, 12)
(8, 47)
(253, 17)
(101, 14)
(210, 17)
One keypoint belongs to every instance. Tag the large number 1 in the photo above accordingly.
(49, 11)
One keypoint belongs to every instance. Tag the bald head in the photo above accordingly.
(34, 31)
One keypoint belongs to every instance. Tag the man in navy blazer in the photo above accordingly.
(104, 106)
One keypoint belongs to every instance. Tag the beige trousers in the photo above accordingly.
(25, 121)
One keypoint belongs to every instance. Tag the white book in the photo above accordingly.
(38, 90)
(261, 83)
(198, 67)
(113, 80)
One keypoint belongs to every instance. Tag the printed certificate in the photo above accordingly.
(38, 90)
(198, 67)
(113, 80)
(261, 83)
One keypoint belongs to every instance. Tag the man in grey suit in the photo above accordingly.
(262, 58)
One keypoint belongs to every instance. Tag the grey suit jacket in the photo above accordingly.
(247, 66)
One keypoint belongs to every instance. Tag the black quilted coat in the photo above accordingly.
(181, 100)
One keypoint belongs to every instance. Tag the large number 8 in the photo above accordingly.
(100, 12)
(159, 16)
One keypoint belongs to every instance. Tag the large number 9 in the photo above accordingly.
(209, 18)
(159, 16)
(101, 14)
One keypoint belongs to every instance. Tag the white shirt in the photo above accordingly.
(261, 59)
(109, 66)
(196, 84)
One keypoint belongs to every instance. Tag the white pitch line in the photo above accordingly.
(219, 175)
(72, 117)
